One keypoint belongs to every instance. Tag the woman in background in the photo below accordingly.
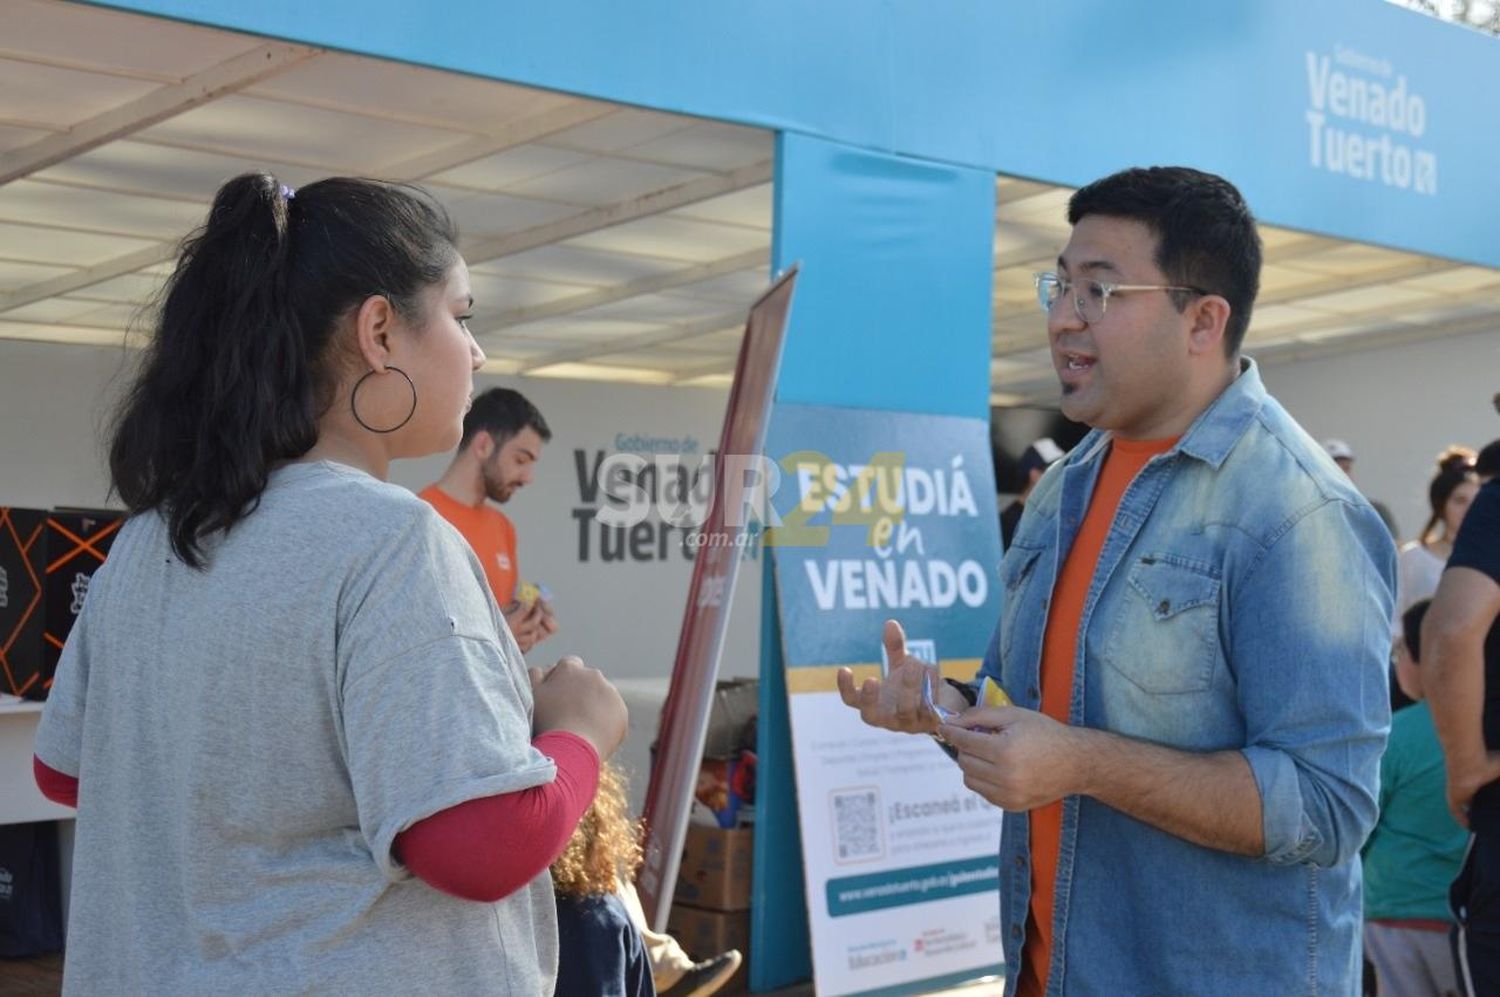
(305, 751)
(1419, 564)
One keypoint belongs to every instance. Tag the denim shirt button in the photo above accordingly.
(1033, 694)
(1020, 862)
(1015, 931)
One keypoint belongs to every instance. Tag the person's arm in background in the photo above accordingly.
(1453, 636)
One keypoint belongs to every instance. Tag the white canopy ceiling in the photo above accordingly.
(604, 241)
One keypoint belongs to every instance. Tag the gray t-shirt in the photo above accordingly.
(250, 739)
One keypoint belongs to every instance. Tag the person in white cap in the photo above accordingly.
(1343, 455)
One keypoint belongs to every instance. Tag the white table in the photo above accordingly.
(20, 800)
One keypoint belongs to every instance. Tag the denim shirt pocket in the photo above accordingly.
(1165, 637)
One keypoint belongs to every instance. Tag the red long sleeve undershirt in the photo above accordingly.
(482, 849)
(56, 786)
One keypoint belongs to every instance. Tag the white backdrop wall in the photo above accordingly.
(1397, 407)
(54, 400)
(622, 615)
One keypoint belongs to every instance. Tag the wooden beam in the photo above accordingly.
(510, 135)
(525, 130)
(97, 274)
(622, 292)
(609, 215)
(624, 344)
(165, 102)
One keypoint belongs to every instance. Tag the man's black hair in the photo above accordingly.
(1206, 236)
(503, 412)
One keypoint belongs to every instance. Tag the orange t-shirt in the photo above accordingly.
(1059, 651)
(491, 534)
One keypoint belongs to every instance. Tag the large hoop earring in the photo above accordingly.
(354, 408)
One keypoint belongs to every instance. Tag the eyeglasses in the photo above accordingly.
(1090, 296)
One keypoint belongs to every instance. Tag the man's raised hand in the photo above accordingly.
(895, 702)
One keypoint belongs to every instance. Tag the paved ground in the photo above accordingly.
(988, 987)
(42, 977)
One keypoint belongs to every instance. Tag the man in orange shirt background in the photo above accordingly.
(503, 438)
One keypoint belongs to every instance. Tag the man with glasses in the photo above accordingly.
(1194, 636)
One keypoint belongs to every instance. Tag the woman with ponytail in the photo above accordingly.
(1420, 563)
(306, 753)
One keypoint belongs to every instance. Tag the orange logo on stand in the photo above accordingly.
(82, 544)
(76, 547)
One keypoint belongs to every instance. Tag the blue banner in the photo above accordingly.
(885, 515)
(1358, 120)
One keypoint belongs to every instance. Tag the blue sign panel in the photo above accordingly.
(885, 515)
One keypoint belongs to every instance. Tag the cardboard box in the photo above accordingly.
(77, 542)
(715, 870)
(733, 710)
(23, 567)
(706, 933)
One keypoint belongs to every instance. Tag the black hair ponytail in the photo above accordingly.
(1455, 465)
(241, 366)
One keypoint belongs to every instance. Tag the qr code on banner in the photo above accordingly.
(856, 824)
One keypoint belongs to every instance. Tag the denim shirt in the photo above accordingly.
(1242, 602)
